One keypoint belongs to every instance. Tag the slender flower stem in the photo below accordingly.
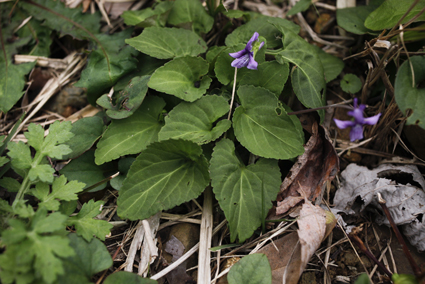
(413, 264)
(319, 108)
(233, 94)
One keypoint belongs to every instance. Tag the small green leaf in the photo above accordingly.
(3, 161)
(128, 100)
(60, 191)
(20, 155)
(133, 134)
(307, 75)
(269, 75)
(183, 77)
(86, 226)
(194, 121)
(267, 27)
(362, 279)
(300, 6)
(244, 193)
(86, 132)
(190, 11)
(403, 279)
(108, 61)
(165, 43)
(389, 13)
(155, 16)
(351, 84)
(127, 278)
(252, 269)
(263, 131)
(408, 96)
(90, 258)
(84, 169)
(164, 175)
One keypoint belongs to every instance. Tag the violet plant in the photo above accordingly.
(358, 122)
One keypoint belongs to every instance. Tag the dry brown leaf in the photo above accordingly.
(313, 169)
(295, 249)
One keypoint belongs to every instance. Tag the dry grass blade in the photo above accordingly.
(204, 259)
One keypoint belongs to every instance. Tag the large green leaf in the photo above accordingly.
(165, 43)
(270, 75)
(164, 175)
(263, 127)
(109, 60)
(267, 27)
(307, 76)
(183, 77)
(90, 258)
(128, 100)
(243, 192)
(84, 169)
(352, 19)
(133, 134)
(191, 14)
(12, 79)
(194, 121)
(86, 131)
(332, 65)
(252, 269)
(63, 19)
(390, 12)
(408, 96)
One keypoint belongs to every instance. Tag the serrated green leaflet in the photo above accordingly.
(267, 27)
(133, 134)
(108, 61)
(128, 100)
(244, 193)
(390, 12)
(191, 11)
(261, 129)
(164, 175)
(60, 191)
(86, 226)
(252, 269)
(90, 258)
(408, 96)
(165, 43)
(308, 76)
(269, 75)
(183, 77)
(351, 83)
(194, 121)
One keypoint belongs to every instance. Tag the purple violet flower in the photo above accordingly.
(245, 57)
(356, 132)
